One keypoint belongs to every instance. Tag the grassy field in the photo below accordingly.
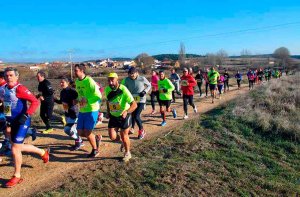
(223, 153)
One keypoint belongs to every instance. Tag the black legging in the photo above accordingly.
(206, 88)
(188, 99)
(226, 85)
(251, 82)
(136, 115)
(238, 83)
(153, 95)
(200, 86)
(46, 111)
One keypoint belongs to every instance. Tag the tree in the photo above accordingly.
(221, 56)
(143, 60)
(283, 56)
(246, 54)
(210, 59)
(182, 54)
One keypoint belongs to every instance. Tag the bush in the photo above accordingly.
(274, 108)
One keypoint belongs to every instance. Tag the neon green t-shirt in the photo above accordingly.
(165, 84)
(213, 77)
(88, 89)
(119, 103)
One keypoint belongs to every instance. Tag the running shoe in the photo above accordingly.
(77, 145)
(185, 117)
(33, 135)
(174, 113)
(163, 123)
(93, 154)
(127, 157)
(47, 131)
(98, 140)
(142, 134)
(13, 182)
(131, 131)
(195, 110)
(46, 156)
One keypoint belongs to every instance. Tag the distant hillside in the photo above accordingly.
(296, 56)
(162, 57)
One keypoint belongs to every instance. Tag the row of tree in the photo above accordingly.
(281, 54)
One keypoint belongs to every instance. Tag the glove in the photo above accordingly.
(142, 94)
(23, 118)
(165, 90)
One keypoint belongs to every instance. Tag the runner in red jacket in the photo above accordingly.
(187, 86)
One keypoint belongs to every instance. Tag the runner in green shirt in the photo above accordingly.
(165, 88)
(88, 99)
(213, 77)
(120, 105)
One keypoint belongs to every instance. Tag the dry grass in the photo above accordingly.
(274, 107)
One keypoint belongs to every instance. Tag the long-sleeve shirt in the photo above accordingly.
(67, 98)
(46, 89)
(187, 84)
(165, 84)
(136, 86)
(154, 82)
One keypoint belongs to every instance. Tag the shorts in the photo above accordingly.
(87, 120)
(212, 86)
(166, 103)
(18, 132)
(120, 122)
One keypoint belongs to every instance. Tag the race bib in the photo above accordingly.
(114, 107)
(161, 90)
(137, 98)
(184, 83)
(199, 80)
(7, 108)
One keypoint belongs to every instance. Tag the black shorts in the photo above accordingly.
(212, 86)
(120, 122)
(166, 103)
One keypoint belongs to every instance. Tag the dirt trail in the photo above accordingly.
(39, 176)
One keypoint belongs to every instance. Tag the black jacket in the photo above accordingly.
(46, 89)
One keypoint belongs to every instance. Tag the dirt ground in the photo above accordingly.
(39, 176)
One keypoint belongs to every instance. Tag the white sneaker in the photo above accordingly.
(185, 117)
(127, 157)
(195, 110)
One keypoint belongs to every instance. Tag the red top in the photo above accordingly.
(23, 93)
(187, 84)
(154, 82)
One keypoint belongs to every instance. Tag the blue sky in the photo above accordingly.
(35, 30)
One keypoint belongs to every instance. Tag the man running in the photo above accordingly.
(226, 81)
(120, 105)
(260, 75)
(165, 88)
(174, 77)
(239, 78)
(18, 117)
(68, 98)
(187, 86)
(88, 99)
(154, 91)
(213, 77)
(138, 86)
(47, 100)
(199, 78)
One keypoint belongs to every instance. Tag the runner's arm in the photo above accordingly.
(148, 85)
(23, 93)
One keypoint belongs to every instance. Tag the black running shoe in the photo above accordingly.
(93, 154)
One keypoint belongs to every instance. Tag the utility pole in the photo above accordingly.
(70, 59)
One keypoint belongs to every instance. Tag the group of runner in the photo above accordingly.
(125, 101)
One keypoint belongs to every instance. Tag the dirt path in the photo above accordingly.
(39, 176)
